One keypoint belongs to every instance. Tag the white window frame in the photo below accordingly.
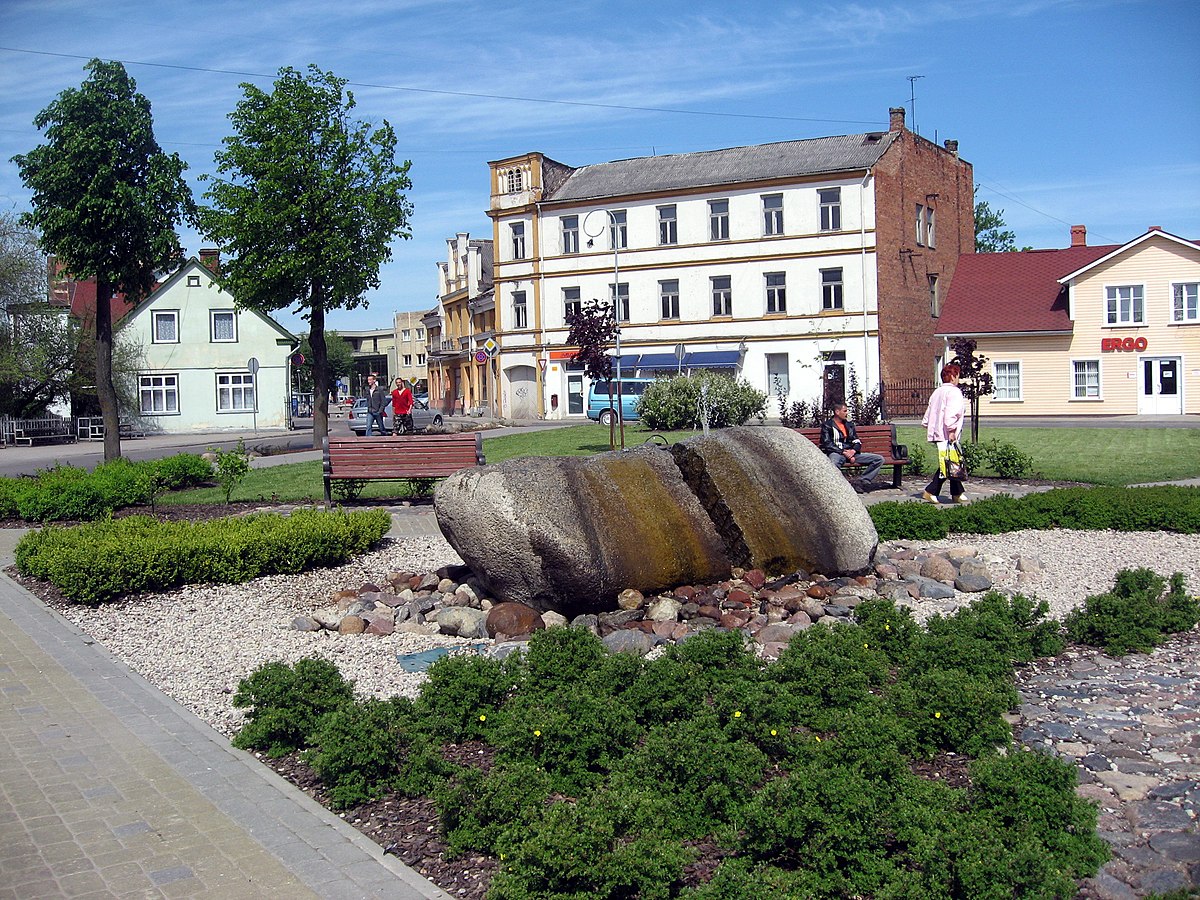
(407, 360)
(935, 295)
(718, 220)
(570, 234)
(420, 334)
(829, 203)
(1084, 398)
(833, 290)
(164, 383)
(618, 230)
(520, 310)
(618, 298)
(515, 181)
(668, 225)
(1019, 374)
(785, 385)
(164, 315)
(772, 215)
(722, 295)
(517, 232)
(212, 326)
(232, 388)
(668, 297)
(571, 302)
(1186, 309)
(405, 334)
(776, 294)
(1113, 317)
(920, 225)
(930, 230)
(193, 281)
(420, 359)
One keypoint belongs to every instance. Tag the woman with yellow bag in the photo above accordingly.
(943, 422)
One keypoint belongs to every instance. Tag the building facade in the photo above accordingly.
(1100, 330)
(791, 265)
(461, 330)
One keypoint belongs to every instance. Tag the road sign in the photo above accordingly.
(481, 356)
(252, 365)
(490, 346)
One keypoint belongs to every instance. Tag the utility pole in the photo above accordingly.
(912, 100)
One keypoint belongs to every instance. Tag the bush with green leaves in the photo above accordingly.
(477, 808)
(1137, 615)
(463, 691)
(917, 465)
(287, 704)
(104, 560)
(1007, 460)
(183, 470)
(232, 467)
(355, 748)
(673, 404)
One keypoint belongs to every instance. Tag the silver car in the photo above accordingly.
(423, 417)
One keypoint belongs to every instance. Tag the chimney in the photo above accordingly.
(897, 114)
(1078, 235)
(211, 260)
(952, 146)
(1155, 228)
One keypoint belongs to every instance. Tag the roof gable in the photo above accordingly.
(1123, 248)
(736, 165)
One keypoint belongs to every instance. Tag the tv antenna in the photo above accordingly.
(912, 100)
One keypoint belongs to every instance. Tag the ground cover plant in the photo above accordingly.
(602, 775)
(101, 561)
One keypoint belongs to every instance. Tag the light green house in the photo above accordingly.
(197, 356)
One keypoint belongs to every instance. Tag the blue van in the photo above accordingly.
(602, 408)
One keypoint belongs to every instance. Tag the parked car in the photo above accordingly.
(423, 417)
(603, 408)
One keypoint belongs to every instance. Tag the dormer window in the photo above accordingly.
(515, 179)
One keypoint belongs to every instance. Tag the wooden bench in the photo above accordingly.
(399, 458)
(879, 439)
(29, 430)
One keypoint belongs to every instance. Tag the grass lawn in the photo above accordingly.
(1096, 455)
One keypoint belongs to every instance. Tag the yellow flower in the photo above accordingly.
(537, 733)
(483, 718)
(887, 627)
(866, 647)
(737, 714)
(818, 739)
(937, 715)
(774, 732)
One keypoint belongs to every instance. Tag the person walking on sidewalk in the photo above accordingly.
(402, 407)
(943, 422)
(377, 398)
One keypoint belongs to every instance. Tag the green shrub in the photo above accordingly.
(918, 464)
(347, 489)
(477, 809)
(462, 693)
(356, 748)
(68, 492)
(887, 627)
(1006, 460)
(103, 560)
(560, 659)
(288, 703)
(831, 668)
(673, 404)
(717, 655)
(988, 636)
(973, 456)
(953, 709)
(1136, 615)
(910, 521)
(232, 467)
(183, 470)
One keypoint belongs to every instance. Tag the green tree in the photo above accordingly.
(975, 380)
(307, 201)
(106, 201)
(992, 234)
(593, 330)
(339, 356)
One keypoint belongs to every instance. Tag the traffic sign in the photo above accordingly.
(490, 346)
(481, 356)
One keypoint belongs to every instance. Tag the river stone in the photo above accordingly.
(463, 621)
(512, 619)
(631, 641)
(939, 568)
(777, 502)
(972, 584)
(576, 531)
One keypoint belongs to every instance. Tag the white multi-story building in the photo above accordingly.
(763, 261)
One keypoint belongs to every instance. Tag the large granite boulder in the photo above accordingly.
(777, 501)
(570, 533)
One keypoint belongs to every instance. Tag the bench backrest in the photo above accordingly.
(875, 438)
(427, 455)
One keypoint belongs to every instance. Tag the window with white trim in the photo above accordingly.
(165, 327)
(420, 334)
(514, 180)
(570, 234)
(920, 230)
(831, 289)
(772, 206)
(618, 230)
(159, 395)
(935, 296)
(572, 305)
(223, 326)
(831, 209)
(404, 334)
(668, 227)
(407, 360)
(779, 379)
(520, 311)
(620, 299)
(776, 292)
(1085, 379)
(1125, 305)
(929, 228)
(718, 220)
(518, 239)
(1185, 302)
(193, 281)
(668, 292)
(420, 359)
(1006, 381)
(235, 392)
(722, 295)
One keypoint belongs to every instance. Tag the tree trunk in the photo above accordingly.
(106, 391)
(320, 366)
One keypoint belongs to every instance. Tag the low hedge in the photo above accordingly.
(70, 492)
(101, 561)
(1163, 508)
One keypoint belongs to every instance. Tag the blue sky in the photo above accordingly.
(1072, 111)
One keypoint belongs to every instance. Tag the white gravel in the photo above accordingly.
(197, 643)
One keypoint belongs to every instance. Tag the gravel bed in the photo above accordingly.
(197, 643)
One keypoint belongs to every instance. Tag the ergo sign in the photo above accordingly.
(1127, 344)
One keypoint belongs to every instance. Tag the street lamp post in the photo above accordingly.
(612, 220)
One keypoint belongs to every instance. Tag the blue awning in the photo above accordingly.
(629, 362)
(712, 359)
(659, 362)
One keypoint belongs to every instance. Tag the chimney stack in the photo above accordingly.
(211, 260)
(897, 118)
(1155, 228)
(952, 146)
(1078, 235)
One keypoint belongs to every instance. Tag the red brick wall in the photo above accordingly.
(909, 171)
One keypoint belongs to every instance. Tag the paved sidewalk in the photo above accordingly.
(111, 789)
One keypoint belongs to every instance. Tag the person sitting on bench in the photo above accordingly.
(839, 441)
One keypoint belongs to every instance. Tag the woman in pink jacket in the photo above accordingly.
(943, 422)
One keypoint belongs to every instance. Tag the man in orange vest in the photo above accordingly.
(839, 441)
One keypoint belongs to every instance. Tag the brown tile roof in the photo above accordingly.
(994, 293)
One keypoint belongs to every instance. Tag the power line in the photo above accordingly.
(1040, 212)
(471, 94)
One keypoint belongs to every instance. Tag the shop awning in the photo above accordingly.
(712, 359)
(629, 363)
(659, 362)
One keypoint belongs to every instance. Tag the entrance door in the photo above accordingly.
(522, 392)
(575, 395)
(1160, 394)
(835, 386)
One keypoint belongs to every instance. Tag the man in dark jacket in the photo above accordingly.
(839, 441)
(377, 400)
